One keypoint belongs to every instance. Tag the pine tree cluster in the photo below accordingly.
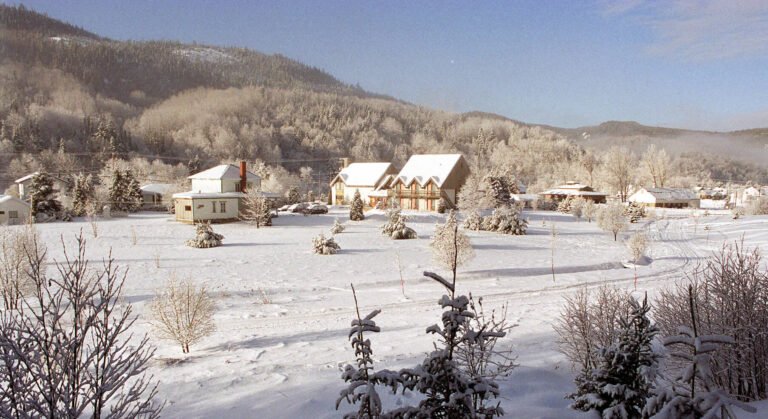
(124, 192)
(42, 196)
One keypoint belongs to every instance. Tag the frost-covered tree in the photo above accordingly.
(83, 193)
(577, 207)
(362, 380)
(324, 245)
(356, 209)
(42, 196)
(507, 220)
(337, 227)
(451, 248)
(656, 164)
(395, 227)
(117, 192)
(15, 247)
(618, 167)
(564, 206)
(256, 208)
(473, 221)
(637, 245)
(693, 393)
(589, 210)
(611, 218)
(183, 312)
(68, 351)
(133, 197)
(621, 382)
(205, 237)
(442, 206)
(293, 196)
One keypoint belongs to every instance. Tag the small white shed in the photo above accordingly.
(13, 210)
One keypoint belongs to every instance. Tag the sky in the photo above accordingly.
(699, 64)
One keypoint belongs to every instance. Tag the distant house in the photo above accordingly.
(573, 190)
(152, 194)
(13, 210)
(665, 198)
(426, 178)
(751, 193)
(59, 185)
(216, 194)
(371, 179)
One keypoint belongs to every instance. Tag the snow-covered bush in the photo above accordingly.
(757, 206)
(611, 218)
(205, 237)
(693, 392)
(442, 206)
(356, 209)
(325, 245)
(737, 212)
(621, 382)
(395, 227)
(564, 206)
(183, 313)
(473, 221)
(731, 298)
(15, 247)
(634, 211)
(506, 221)
(450, 247)
(69, 350)
(337, 227)
(589, 321)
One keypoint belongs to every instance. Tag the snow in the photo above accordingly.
(223, 171)
(214, 195)
(284, 313)
(423, 167)
(364, 174)
(663, 195)
(203, 54)
(157, 188)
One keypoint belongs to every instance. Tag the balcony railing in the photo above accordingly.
(409, 194)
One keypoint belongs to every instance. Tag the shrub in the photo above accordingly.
(473, 221)
(395, 226)
(505, 221)
(325, 246)
(183, 313)
(634, 211)
(205, 236)
(337, 227)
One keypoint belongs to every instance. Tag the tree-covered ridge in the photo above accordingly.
(21, 18)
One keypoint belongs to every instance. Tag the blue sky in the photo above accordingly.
(685, 63)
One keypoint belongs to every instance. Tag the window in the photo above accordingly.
(214, 206)
(2, 212)
(237, 189)
(223, 206)
(13, 214)
(187, 207)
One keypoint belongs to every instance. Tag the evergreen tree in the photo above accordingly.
(116, 191)
(293, 195)
(395, 226)
(620, 384)
(82, 193)
(133, 198)
(41, 194)
(356, 209)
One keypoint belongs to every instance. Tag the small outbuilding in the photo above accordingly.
(13, 210)
(153, 193)
(665, 198)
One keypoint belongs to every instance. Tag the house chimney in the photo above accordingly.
(243, 176)
(344, 162)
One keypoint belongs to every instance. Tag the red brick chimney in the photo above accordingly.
(243, 176)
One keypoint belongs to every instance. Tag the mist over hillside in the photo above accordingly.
(65, 91)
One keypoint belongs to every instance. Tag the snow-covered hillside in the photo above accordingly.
(284, 312)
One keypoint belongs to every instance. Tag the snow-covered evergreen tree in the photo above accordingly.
(117, 191)
(205, 237)
(337, 227)
(634, 211)
(564, 206)
(325, 245)
(395, 226)
(42, 196)
(622, 380)
(133, 198)
(442, 206)
(506, 221)
(293, 195)
(356, 209)
(473, 221)
(693, 393)
(362, 381)
(83, 194)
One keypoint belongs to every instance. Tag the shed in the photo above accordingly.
(13, 210)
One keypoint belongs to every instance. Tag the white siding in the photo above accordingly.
(7, 208)
(206, 185)
(349, 193)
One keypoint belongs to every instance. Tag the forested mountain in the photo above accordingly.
(70, 100)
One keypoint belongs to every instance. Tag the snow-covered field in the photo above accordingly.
(284, 312)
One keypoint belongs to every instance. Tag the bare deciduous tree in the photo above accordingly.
(15, 244)
(256, 208)
(611, 218)
(450, 247)
(655, 162)
(68, 351)
(618, 163)
(182, 312)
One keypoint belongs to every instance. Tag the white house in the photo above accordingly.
(59, 185)
(371, 179)
(216, 194)
(13, 210)
(665, 198)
